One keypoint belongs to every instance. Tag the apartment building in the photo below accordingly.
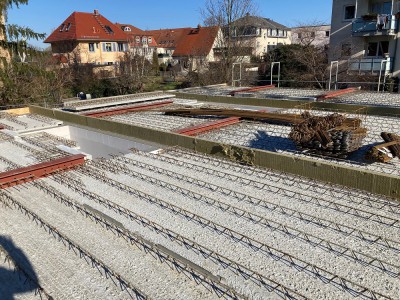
(261, 35)
(88, 38)
(365, 35)
(316, 35)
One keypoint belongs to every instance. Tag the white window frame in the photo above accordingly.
(92, 47)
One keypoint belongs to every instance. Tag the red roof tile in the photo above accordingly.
(86, 26)
(169, 38)
(197, 42)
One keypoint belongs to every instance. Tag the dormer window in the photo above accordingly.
(108, 28)
(150, 40)
(144, 40)
(137, 39)
(62, 27)
(127, 28)
(68, 27)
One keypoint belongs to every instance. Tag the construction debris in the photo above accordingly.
(385, 152)
(332, 135)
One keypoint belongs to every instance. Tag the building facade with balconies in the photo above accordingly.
(365, 34)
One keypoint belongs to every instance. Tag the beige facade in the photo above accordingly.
(261, 35)
(317, 35)
(98, 53)
(365, 34)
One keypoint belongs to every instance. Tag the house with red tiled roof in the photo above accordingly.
(88, 38)
(188, 46)
(140, 42)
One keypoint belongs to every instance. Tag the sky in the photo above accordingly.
(43, 16)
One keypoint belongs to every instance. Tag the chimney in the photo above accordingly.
(96, 12)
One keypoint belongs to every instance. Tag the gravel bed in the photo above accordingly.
(369, 98)
(143, 271)
(240, 225)
(158, 120)
(60, 272)
(275, 138)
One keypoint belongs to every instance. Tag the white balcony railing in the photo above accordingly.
(372, 65)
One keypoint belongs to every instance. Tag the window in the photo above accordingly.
(127, 28)
(382, 8)
(62, 27)
(378, 48)
(107, 47)
(108, 28)
(68, 27)
(91, 47)
(137, 40)
(144, 40)
(346, 49)
(121, 47)
(349, 12)
(327, 33)
(150, 40)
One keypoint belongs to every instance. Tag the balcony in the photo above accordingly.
(371, 65)
(363, 27)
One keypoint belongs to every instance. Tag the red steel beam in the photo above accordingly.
(195, 130)
(337, 93)
(30, 173)
(252, 89)
(120, 111)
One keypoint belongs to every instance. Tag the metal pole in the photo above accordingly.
(279, 71)
(383, 61)
(335, 62)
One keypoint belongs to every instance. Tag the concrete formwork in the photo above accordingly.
(350, 177)
(285, 104)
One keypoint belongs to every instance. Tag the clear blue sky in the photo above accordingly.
(45, 15)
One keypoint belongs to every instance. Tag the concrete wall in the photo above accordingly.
(350, 177)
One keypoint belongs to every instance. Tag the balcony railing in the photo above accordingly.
(371, 65)
(386, 26)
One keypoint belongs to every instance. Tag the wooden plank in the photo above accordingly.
(195, 130)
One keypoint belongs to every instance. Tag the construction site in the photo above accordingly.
(216, 192)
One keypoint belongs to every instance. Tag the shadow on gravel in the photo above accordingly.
(12, 280)
(272, 143)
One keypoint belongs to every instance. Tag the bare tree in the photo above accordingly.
(231, 47)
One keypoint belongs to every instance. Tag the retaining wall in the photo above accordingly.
(351, 177)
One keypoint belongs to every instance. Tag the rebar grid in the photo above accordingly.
(209, 282)
(42, 119)
(39, 290)
(59, 236)
(291, 232)
(8, 127)
(75, 104)
(218, 287)
(319, 188)
(257, 246)
(320, 202)
(157, 120)
(14, 119)
(238, 269)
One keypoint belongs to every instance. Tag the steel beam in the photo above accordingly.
(120, 111)
(195, 130)
(337, 93)
(30, 173)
